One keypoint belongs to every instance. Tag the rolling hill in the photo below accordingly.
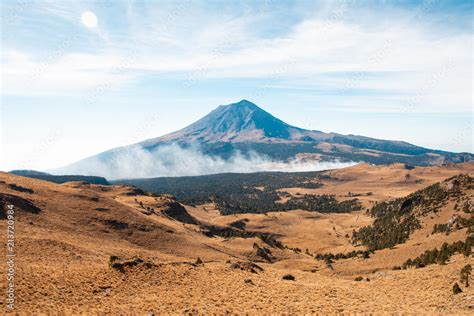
(114, 249)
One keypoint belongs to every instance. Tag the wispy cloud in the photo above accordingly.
(173, 160)
(181, 38)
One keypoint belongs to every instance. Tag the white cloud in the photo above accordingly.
(69, 74)
(405, 54)
(173, 161)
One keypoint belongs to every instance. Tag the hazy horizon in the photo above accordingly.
(84, 77)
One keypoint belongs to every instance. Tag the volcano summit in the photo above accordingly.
(245, 129)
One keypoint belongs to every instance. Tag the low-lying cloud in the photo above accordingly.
(174, 160)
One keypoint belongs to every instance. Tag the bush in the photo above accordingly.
(330, 256)
(440, 256)
(456, 289)
(288, 277)
(440, 228)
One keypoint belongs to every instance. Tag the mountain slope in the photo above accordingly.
(246, 129)
(246, 122)
(242, 121)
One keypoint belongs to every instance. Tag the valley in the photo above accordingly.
(94, 248)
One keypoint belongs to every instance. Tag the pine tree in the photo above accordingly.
(466, 274)
(467, 247)
(443, 254)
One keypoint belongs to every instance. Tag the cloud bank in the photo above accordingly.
(174, 160)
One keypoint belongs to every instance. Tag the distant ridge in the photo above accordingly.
(27, 173)
(59, 178)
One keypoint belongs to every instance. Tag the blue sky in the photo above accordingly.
(73, 86)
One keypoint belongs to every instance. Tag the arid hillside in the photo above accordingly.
(84, 248)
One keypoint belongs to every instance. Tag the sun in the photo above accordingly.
(89, 19)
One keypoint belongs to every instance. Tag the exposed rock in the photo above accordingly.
(18, 203)
(116, 224)
(120, 264)
(179, 213)
(246, 266)
(263, 252)
(288, 277)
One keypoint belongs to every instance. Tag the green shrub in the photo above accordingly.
(442, 255)
(456, 289)
(395, 220)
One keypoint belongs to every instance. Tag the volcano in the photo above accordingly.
(238, 122)
(245, 128)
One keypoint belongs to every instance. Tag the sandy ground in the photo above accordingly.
(62, 254)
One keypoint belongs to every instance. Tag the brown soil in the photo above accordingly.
(63, 252)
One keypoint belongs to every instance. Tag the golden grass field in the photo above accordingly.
(62, 254)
